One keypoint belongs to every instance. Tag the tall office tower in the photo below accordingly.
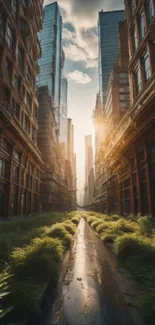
(63, 103)
(108, 46)
(88, 156)
(20, 159)
(52, 177)
(51, 60)
(63, 110)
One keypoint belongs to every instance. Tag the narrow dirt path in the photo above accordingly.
(90, 291)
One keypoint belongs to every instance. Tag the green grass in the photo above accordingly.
(132, 239)
(31, 253)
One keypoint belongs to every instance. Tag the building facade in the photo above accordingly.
(108, 46)
(20, 159)
(48, 142)
(63, 110)
(71, 161)
(128, 161)
(50, 62)
(89, 171)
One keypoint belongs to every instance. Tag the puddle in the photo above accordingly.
(89, 293)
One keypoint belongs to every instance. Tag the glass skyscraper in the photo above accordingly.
(50, 61)
(108, 45)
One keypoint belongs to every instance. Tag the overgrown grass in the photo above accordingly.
(132, 239)
(31, 252)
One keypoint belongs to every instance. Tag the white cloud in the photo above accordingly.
(80, 47)
(67, 35)
(79, 77)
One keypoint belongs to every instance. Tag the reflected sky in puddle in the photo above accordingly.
(81, 301)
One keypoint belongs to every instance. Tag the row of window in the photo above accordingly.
(22, 200)
(148, 8)
(26, 180)
(19, 51)
(140, 26)
(16, 81)
(142, 72)
(18, 157)
(15, 110)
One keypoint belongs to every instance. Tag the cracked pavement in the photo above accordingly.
(91, 287)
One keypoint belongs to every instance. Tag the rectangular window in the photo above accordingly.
(27, 181)
(3, 168)
(6, 100)
(138, 80)
(28, 74)
(133, 7)
(34, 134)
(26, 124)
(2, 199)
(17, 155)
(124, 97)
(21, 58)
(15, 174)
(135, 38)
(141, 159)
(9, 37)
(124, 90)
(150, 10)
(8, 70)
(152, 151)
(14, 7)
(16, 109)
(142, 25)
(124, 104)
(16, 82)
(6, 145)
(146, 66)
(22, 178)
(1, 25)
(15, 201)
(28, 101)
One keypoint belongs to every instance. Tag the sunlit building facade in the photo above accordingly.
(108, 45)
(89, 171)
(50, 62)
(20, 159)
(128, 160)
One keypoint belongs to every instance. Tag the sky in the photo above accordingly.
(80, 43)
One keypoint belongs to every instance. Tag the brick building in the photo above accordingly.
(128, 160)
(20, 159)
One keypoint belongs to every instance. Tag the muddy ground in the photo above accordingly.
(93, 288)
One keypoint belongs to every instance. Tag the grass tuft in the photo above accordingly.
(31, 253)
(43, 256)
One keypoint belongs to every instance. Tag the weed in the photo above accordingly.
(145, 226)
(43, 255)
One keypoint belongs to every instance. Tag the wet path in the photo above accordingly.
(89, 292)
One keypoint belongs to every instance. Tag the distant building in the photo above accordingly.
(63, 110)
(51, 60)
(20, 159)
(71, 158)
(88, 156)
(88, 169)
(108, 45)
